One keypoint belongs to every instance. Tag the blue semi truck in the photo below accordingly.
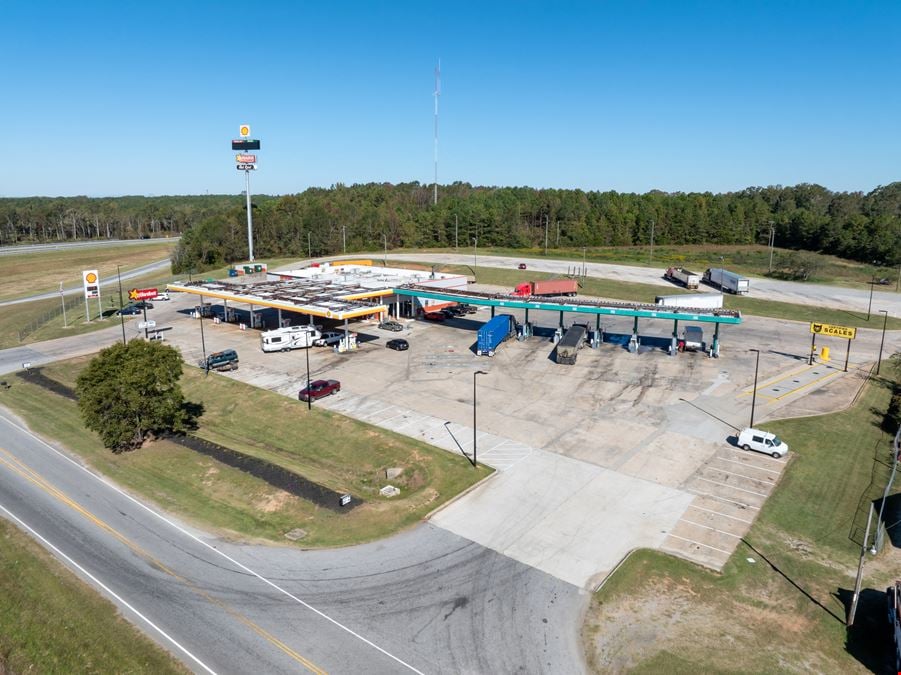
(495, 331)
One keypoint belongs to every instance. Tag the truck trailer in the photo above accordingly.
(495, 331)
(547, 287)
(290, 337)
(692, 300)
(727, 281)
(680, 275)
(571, 343)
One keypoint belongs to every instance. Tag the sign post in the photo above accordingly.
(91, 282)
(847, 332)
(63, 300)
(246, 163)
(143, 294)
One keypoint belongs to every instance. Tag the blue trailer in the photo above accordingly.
(494, 332)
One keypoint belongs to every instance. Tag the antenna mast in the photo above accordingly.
(437, 94)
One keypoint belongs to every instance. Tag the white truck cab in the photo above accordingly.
(762, 441)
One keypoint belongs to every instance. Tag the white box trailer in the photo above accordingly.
(290, 337)
(728, 281)
(693, 300)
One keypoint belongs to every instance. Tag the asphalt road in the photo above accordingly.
(87, 243)
(149, 268)
(422, 601)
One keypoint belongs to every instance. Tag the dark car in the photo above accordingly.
(129, 310)
(433, 316)
(318, 389)
(227, 359)
(884, 281)
(393, 326)
(456, 310)
(398, 345)
(469, 309)
(142, 304)
(522, 266)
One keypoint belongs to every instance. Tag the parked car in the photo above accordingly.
(318, 389)
(449, 313)
(469, 309)
(393, 326)
(398, 345)
(433, 316)
(884, 281)
(129, 310)
(163, 295)
(227, 359)
(330, 337)
(142, 304)
(457, 310)
(762, 441)
(522, 266)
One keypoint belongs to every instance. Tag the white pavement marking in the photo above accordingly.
(697, 543)
(732, 487)
(722, 499)
(213, 549)
(732, 473)
(741, 520)
(106, 588)
(707, 527)
(750, 466)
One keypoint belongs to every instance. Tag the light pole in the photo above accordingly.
(870, 304)
(344, 238)
(310, 245)
(772, 242)
(545, 232)
(754, 394)
(651, 256)
(475, 250)
(456, 232)
(202, 339)
(882, 341)
(385, 238)
(584, 265)
(309, 398)
(121, 305)
(475, 459)
(722, 269)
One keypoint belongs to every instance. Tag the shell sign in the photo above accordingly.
(91, 281)
(244, 130)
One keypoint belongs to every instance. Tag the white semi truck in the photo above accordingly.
(290, 337)
(693, 300)
(728, 281)
(680, 275)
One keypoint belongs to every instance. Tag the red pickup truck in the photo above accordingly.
(318, 389)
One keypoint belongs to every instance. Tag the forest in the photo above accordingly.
(859, 226)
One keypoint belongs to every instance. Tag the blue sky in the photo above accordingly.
(144, 97)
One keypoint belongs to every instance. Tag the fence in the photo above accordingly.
(74, 313)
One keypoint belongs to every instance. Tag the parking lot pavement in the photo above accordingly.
(569, 518)
(729, 490)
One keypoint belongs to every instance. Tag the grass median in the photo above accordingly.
(52, 622)
(780, 603)
(335, 451)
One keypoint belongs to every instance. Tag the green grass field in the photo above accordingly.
(334, 451)
(31, 273)
(785, 611)
(52, 622)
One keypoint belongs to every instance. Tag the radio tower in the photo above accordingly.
(437, 94)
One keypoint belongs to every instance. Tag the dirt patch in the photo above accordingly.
(273, 502)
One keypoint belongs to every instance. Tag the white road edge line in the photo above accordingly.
(175, 526)
(106, 588)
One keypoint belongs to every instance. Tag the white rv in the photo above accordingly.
(291, 337)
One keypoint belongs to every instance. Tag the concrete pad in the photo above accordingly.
(568, 518)
(668, 459)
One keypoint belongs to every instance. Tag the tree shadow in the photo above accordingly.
(869, 639)
(192, 413)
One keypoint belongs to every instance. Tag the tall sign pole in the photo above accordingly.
(91, 282)
(62, 298)
(246, 163)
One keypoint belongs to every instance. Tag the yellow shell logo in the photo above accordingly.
(90, 277)
(245, 130)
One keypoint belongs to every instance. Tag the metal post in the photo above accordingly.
(310, 245)
(857, 583)
(772, 242)
(121, 315)
(545, 233)
(62, 298)
(475, 251)
(813, 349)
(584, 266)
(309, 398)
(202, 339)
(87, 313)
(385, 237)
(145, 318)
(249, 214)
(475, 459)
(651, 256)
(456, 233)
(870, 304)
(344, 237)
(881, 342)
(754, 393)
(847, 355)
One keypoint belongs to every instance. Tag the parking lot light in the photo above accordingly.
(882, 341)
(754, 393)
(475, 460)
(309, 398)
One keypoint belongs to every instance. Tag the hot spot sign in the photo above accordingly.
(142, 293)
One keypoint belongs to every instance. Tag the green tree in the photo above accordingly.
(129, 393)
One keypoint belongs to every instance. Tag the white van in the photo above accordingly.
(762, 441)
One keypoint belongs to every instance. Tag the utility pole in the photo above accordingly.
(437, 94)
(754, 394)
(545, 233)
(870, 304)
(475, 252)
(882, 341)
(310, 245)
(344, 238)
(385, 237)
(456, 230)
(772, 242)
(651, 256)
(121, 303)
(62, 298)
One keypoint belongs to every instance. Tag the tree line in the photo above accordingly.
(321, 221)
